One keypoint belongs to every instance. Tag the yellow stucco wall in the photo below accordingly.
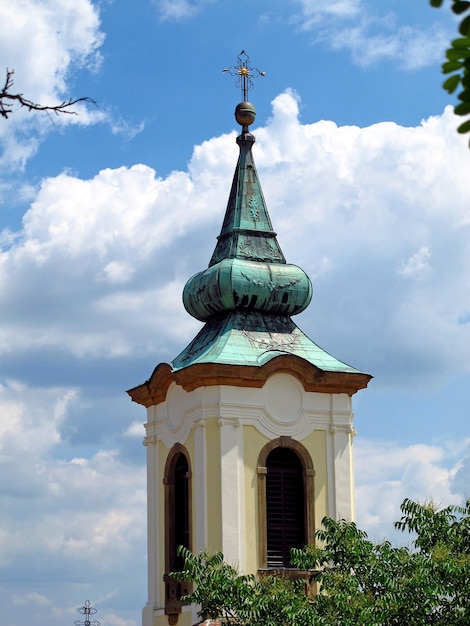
(162, 457)
(316, 445)
(253, 442)
(214, 504)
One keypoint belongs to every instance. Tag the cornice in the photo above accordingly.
(154, 390)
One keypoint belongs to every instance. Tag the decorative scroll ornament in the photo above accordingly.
(265, 250)
(270, 284)
(245, 73)
(272, 341)
(87, 610)
(253, 208)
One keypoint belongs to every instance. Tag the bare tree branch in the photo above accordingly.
(8, 99)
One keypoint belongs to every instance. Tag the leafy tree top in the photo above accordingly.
(359, 582)
(457, 63)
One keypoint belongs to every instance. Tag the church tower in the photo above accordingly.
(249, 430)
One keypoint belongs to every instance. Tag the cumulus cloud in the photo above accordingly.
(42, 42)
(30, 436)
(387, 473)
(78, 520)
(24, 432)
(377, 216)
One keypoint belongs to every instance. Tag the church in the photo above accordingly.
(249, 431)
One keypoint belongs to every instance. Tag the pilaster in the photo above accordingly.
(340, 463)
(232, 495)
(153, 518)
(200, 487)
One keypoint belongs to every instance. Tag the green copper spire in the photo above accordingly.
(247, 270)
(248, 292)
(247, 232)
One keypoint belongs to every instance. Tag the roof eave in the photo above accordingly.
(154, 391)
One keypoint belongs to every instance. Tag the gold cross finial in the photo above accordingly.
(245, 73)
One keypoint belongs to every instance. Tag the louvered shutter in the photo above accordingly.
(284, 506)
(181, 517)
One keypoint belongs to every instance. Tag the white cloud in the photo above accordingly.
(68, 509)
(68, 527)
(117, 272)
(387, 473)
(136, 429)
(123, 127)
(370, 36)
(23, 431)
(377, 215)
(461, 479)
(41, 41)
(100, 522)
(31, 598)
(411, 47)
(314, 11)
(179, 9)
(417, 265)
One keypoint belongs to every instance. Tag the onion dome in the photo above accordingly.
(247, 270)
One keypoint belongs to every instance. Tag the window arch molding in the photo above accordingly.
(308, 474)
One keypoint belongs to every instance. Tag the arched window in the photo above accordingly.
(179, 531)
(177, 521)
(286, 501)
(285, 507)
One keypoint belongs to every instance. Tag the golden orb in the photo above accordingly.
(245, 113)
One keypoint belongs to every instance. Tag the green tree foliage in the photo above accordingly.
(457, 63)
(426, 583)
(243, 600)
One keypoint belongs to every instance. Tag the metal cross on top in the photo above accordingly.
(245, 73)
(87, 610)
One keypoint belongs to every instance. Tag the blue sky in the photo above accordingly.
(105, 215)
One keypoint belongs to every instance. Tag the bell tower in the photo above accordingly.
(249, 430)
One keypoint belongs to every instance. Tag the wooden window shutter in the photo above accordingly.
(181, 512)
(285, 507)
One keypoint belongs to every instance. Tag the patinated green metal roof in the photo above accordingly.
(247, 270)
(248, 293)
(247, 232)
(253, 338)
(236, 284)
